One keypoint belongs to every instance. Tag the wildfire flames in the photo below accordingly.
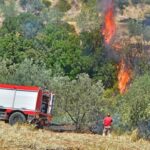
(123, 76)
(108, 31)
(109, 28)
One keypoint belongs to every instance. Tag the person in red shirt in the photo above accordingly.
(107, 122)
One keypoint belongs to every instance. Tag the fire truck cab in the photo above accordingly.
(25, 103)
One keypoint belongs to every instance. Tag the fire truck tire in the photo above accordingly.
(17, 117)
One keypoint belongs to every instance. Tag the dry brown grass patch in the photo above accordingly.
(25, 137)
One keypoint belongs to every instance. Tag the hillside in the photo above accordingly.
(94, 55)
(26, 138)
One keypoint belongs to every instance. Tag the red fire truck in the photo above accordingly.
(25, 103)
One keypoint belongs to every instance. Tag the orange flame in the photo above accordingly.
(124, 75)
(109, 28)
(108, 31)
(117, 46)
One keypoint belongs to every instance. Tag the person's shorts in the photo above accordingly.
(107, 128)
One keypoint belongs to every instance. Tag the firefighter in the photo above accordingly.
(107, 123)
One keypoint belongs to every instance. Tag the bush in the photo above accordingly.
(144, 129)
(80, 99)
(47, 3)
(63, 5)
(135, 104)
(135, 27)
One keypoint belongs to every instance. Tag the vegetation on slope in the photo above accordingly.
(39, 46)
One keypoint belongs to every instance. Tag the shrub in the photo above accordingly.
(63, 5)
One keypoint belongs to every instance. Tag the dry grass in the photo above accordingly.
(138, 11)
(26, 138)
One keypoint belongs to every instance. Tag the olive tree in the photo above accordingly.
(80, 98)
(6, 70)
(31, 72)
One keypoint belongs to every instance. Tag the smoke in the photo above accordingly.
(106, 4)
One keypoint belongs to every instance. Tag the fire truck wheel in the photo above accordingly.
(16, 117)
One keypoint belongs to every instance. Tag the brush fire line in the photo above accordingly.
(25, 103)
(109, 31)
